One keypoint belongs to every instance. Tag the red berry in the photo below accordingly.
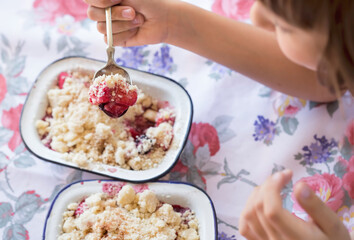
(114, 109)
(161, 117)
(61, 79)
(81, 208)
(128, 98)
(138, 126)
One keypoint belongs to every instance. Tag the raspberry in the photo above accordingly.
(114, 110)
(81, 208)
(165, 115)
(100, 93)
(133, 132)
(126, 99)
(138, 126)
(61, 79)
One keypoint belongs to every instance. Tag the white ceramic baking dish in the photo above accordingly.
(159, 87)
(182, 194)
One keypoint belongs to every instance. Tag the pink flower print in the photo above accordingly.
(10, 119)
(288, 106)
(346, 215)
(327, 187)
(348, 183)
(204, 133)
(3, 88)
(350, 167)
(180, 168)
(50, 10)
(343, 162)
(235, 9)
(348, 178)
(350, 132)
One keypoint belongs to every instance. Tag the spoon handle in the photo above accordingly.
(110, 48)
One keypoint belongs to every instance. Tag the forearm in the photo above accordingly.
(246, 49)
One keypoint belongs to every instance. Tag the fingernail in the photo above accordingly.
(276, 176)
(127, 13)
(305, 192)
(287, 171)
(136, 20)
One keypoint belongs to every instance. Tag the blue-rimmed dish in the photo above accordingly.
(159, 87)
(175, 193)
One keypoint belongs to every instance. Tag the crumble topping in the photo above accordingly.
(127, 215)
(73, 126)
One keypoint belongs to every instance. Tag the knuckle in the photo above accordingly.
(243, 229)
(247, 216)
(271, 214)
(259, 205)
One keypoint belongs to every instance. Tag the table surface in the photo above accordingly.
(242, 131)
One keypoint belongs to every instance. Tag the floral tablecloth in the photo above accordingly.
(242, 131)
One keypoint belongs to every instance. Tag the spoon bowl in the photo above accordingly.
(111, 68)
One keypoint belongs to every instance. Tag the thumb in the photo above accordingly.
(321, 214)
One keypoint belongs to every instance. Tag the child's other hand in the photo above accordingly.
(265, 218)
(134, 22)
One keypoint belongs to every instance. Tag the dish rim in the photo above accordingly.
(179, 152)
(115, 180)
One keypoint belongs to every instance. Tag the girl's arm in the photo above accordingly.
(244, 48)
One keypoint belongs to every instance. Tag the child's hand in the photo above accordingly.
(265, 218)
(134, 22)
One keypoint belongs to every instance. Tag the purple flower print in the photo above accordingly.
(223, 236)
(218, 71)
(133, 57)
(265, 130)
(162, 62)
(320, 151)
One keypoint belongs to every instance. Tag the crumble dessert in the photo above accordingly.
(127, 215)
(73, 126)
(113, 94)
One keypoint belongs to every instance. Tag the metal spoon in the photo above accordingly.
(111, 67)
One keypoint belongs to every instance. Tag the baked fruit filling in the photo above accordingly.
(86, 136)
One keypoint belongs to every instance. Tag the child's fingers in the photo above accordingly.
(322, 215)
(102, 3)
(278, 217)
(249, 224)
(248, 233)
(121, 26)
(120, 39)
(272, 200)
(270, 191)
(122, 13)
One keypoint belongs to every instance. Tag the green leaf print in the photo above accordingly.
(5, 213)
(26, 206)
(332, 108)
(340, 169)
(15, 232)
(289, 125)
